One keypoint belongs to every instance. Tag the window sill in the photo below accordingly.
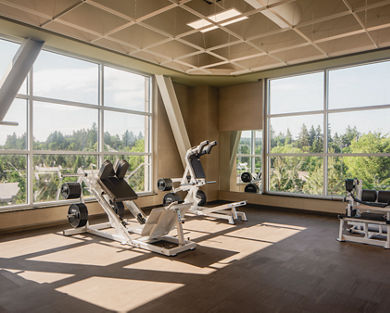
(53, 204)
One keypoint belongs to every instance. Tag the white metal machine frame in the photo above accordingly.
(194, 178)
(364, 222)
(155, 229)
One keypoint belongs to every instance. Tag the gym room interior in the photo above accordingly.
(194, 156)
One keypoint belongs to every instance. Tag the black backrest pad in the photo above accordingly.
(116, 188)
(197, 167)
(121, 168)
(106, 170)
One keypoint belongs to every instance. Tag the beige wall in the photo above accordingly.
(240, 107)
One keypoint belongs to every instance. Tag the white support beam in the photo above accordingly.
(175, 117)
(13, 79)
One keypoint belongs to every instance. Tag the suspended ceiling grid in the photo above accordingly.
(157, 30)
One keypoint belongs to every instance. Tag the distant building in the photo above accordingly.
(8, 192)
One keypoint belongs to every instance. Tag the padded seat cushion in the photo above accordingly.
(117, 189)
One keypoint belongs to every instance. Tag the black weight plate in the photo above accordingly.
(384, 196)
(71, 190)
(169, 198)
(246, 177)
(369, 195)
(164, 184)
(200, 194)
(78, 215)
(253, 188)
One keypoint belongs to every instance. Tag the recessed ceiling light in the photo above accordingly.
(217, 18)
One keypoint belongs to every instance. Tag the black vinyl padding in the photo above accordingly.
(384, 196)
(197, 167)
(369, 195)
(106, 170)
(116, 188)
(121, 168)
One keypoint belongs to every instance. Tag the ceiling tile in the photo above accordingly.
(70, 31)
(20, 15)
(210, 39)
(112, 45)
(314, 9)
(173, 22)
(92, 18)
(138, 36)
(173, 49)
(281, 40)
(48, 7)
(331, 28)
(301, 54)
(256, 62)
(381, 37)
(375, 17)
(177, 66)
(206, 9)
(237, 51)
(357, 4)
(255, 25)
(134, 8)
(347, 44)
(202, 59)
(149, 57)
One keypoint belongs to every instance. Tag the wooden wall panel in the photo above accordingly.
(241, 107)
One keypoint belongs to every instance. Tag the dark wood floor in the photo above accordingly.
(276, 262)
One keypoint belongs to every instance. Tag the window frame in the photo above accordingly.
(325, 155)
(29, 152)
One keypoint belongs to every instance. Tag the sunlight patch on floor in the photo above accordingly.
(265, 232)
(171, 265)
(34, 244)
(90, 254)
(118, 294)
(40, 277)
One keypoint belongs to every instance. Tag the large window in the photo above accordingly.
(72, 115)
(326, 126)
(249, 154)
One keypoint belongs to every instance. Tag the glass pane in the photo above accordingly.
(374, 171)
(137, 173)
(296, 175)
(244, 146)
(124, 132)
(358, 86)
(124, 90)
(60, 77)
(297, 94)
(296, 134)
(14, 137)
(62, 127)
(50, 169)
(258, 165)
(359, 132)
(13, 179)
(258, 142)
(7, 52)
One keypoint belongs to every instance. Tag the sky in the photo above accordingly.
(65, 78)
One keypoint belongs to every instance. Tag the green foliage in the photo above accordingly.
(45, 183)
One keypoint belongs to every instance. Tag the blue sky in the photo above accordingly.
(65, 78)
